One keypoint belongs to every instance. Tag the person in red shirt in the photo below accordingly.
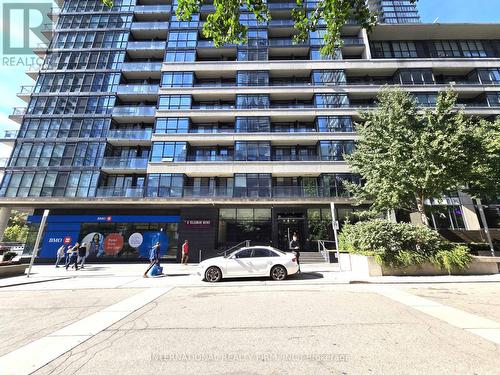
(185, 252)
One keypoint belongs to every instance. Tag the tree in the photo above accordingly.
(223, 26)
(406, 156)
(17, 230)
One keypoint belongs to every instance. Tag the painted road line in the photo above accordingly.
(35, 355)
(486, 328)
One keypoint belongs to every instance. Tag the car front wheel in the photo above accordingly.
(213, 274)
(278, 273)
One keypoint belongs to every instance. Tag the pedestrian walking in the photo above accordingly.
(61, 253)
(73, 257)
(69, 252)
(154, 257)
(185, 252)
(82, 254)
(295, 247)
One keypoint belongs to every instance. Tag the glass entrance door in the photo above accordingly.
(287, 226)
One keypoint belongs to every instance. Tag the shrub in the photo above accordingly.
(8, 256)
(452, 258)
(392, 244)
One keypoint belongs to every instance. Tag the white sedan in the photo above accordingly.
(254, 261)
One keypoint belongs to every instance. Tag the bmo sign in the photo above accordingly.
(53, 241)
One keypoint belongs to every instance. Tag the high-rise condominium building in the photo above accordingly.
(138, 130)
(395, 11)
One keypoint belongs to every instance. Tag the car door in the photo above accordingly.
(262, 261)
(239, 264)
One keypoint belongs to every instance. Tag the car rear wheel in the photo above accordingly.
(213, 274)
(278, 273)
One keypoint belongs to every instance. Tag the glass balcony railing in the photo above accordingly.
(281, 23)
(125, 163)
(147, 45)
(149, 9)
(205, 191)
(214, 158)
(353, 41)
(4, 162)
(144, 134)
(149, 25)
(26, 89)
(8, 134)
(134, 111)
(277, 6)
(145, 66)
(18, 111)
(108, 192)
(138, 89)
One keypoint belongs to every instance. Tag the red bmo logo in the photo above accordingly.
(67, 240)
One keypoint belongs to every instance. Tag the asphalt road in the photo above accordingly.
(276, 329)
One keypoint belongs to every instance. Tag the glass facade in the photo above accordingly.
(132, 103)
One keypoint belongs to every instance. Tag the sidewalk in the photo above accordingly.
(110, 276)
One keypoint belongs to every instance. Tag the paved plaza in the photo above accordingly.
(108, 319)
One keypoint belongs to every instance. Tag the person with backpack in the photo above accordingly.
(72, 258)
(82, 254)
(60, 255)
(154, 258)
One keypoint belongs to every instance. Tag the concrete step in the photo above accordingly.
(311, 257)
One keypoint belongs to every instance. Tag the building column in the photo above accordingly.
(469, 211)
(4, 220)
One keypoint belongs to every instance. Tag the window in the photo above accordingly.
(177, 79)
(331, 100)
(328, 77)
(247, 253)
(169, 151)
(263, 253)
(473, 48)
(426, 100)
(334, 124)
(252, 124)
(182, 39)
(335, 150)
(252, 185)
(77, 82)
(447, 48)
(258, 54)
(415, 77)
(315, 54)
(172, 125)
(333, 185)
(252, 151)
(489, 76)
(252, 101)
(180, 56)
(404, 49)
(71, 105)
(90, 39)
(165, 185)
(174, 102)
(252, 78)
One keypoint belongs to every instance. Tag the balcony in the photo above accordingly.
(8, 136)
(17, 114)
(149, 30)
(146, 49)
(119, 137)
(110, 192)
(285, 42)
(214, 158)
(132, 114)
(210, 44)
(142, 69)
(138, 92)
(25, 93)
(281, 23)
(124, 165)
(353, 41)
(152, 12)
(4, 162)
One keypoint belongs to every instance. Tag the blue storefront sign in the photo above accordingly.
(105, 241)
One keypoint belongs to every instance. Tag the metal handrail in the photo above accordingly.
(246, 243)
(324, 251)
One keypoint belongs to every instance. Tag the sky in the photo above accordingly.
(13, 77)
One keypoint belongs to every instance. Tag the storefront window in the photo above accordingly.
(241, 224)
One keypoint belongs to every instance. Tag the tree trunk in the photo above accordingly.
(421, 210)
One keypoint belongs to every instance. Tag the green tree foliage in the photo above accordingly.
(407, 155)
(17, 230)
(223, 26)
